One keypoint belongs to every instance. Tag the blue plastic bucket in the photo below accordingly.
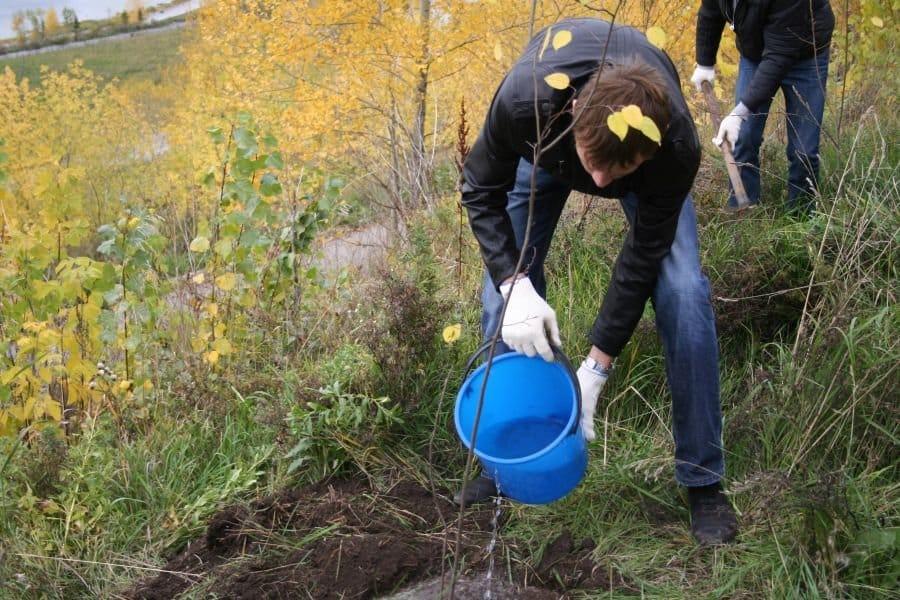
(529, 438)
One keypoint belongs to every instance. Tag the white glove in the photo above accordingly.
(730, 127)
(528, 321)
(591, 383)
(702, 74)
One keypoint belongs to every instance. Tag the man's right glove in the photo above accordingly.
(528, 320)
(591, 380)
(730, 127)
(702, 74)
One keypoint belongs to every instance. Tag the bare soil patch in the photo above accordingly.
(344, 539)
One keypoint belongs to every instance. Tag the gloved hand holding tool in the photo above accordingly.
(528, 320)
(728, 131)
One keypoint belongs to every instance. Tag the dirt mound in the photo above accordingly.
(343, 539)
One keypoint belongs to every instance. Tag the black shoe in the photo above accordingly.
(480, 489)
(713, 521)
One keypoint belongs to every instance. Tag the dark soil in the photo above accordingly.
(344, 539)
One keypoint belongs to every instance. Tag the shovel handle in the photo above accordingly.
(737, 184)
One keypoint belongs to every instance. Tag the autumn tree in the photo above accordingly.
(135, 9)
(18, 26)
(51, 22)
(36, 18)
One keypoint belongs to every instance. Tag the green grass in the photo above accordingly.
(143, 57)
(809, 379)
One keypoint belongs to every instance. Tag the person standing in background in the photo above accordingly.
(782, 44)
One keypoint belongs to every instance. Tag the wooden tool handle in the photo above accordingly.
(740, 194)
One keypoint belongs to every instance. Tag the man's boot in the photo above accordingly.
(480, 489)
(713, 521)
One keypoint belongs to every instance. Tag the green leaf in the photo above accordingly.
(215, 133)
(274, 161)
(269, 185)
(245, 141)
(270, 141)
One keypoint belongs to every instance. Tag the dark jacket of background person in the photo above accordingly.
(510, 133)
(774, 33)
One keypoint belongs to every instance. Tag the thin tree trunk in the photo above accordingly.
(420, 175)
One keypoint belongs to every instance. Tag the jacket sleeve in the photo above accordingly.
(787, 33)
(648, 241)
(488, 174)
(710, 23)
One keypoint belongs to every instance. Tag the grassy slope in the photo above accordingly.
(811, 435)
(142, 57)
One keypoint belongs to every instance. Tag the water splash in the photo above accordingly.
(495, 529)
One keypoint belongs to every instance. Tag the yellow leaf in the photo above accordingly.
(452, 332)
(199, 244)
(632, 115)
(498, 52)
(90, 313)
(199, 278)
(148, 385)
(877, 22)
(219, 330)
(558, 81)
(657, 37)
(125, 385)
(222, 346)
(53, 409)
(226, 282)
(649, 128)
(616, 123)
(212, 309)
(212, 357)
(561, 39)
(546, 42)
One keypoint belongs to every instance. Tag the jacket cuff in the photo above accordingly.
(606, 343)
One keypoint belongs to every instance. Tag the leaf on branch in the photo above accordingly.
(199, 244)
(558, 81)
(616, 123)
(562, 39)
(498, 51)
(632, 114)
(657, 37)
(649, 128)
(226, 282)
(877, 22)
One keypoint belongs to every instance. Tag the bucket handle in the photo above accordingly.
(560, 356)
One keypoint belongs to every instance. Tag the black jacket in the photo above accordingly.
(510, 131)
(775, 33)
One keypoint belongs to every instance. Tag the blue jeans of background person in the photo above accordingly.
(804, 100)
(684, 320)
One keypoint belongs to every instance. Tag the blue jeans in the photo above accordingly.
(804, 99)
(684, 320)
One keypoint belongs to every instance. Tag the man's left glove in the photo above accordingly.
(591, 380)
(730, 127)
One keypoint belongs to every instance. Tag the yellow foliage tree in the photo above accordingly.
(51, 22)
(375, 85)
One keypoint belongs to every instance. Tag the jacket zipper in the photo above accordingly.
(734, 5)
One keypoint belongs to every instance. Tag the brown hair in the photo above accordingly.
(610, 89)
